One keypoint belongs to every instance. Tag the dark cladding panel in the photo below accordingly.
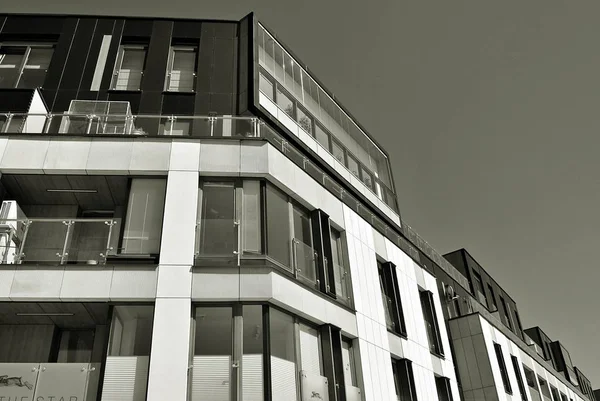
(150, 102)
(103, 27)
(223, 72)
(59, 57)
(178, 104)
(63, 99)
(158, 56)
(244, 63)
(15, 100)
(77, 58)
(202, 104)
(187, 29)
(227, 30)
(32, 26)
(222, 103)
(138, 28)
(205, 64)
(132, 97)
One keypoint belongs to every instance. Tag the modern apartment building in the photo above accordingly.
(189, 214)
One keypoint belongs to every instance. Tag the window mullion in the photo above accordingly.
(22, 66)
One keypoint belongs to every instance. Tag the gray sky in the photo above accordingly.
(490, 112)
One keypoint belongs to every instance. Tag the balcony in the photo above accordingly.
(93, 220)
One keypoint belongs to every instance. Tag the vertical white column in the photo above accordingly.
(169, 360)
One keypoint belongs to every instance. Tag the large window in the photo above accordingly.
(520, 382)
(181, 70)
(506, 312)
(544, 388)
(530, 378)
(431, 323)
(342, 282)
(502, 366)
(404, 380)
(218, 231)
(478, 289)
(129, 68)
(554, 392)
(24, 65)
(348, 360)
(493, 297)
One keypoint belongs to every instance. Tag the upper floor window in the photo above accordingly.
(391, 298)
(404, 380)
(554, 392)
(478, 288)
(181, 70)
(24, 66)
(342, 288)
(502, 366)
(444, 391)
(493, 297)
(506, 312)
(544, 388)
(129, 68)
(520, 383)
(431, 323)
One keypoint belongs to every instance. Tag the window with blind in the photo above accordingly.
(24, 65)
(129, 68)
(181, 69)
(431, 323)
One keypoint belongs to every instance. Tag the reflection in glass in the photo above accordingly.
(353, 165)
(252, 368)
(337, 249)
(213, 351)
(304, 121)
(217, 229)
(285, 103)
(34, 70)
(338, 152)
(11, 58)
(251, 223)
(266, 86)
(367, 179)
(130, 67)
(322, 137)
(283, 357)
(310, 350)
(278, 226)
(183, 69)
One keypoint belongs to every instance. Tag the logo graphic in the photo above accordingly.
(6, 381)
(316, 395)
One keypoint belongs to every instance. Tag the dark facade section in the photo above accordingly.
(586, 385)
(485, 290)
(543, 342)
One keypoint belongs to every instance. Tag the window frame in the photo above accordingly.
(23, 64)
(447, 389)
(503, 370)
(390, 292)
(170, 63)
(520, 382)
(119, 63)
(403, 375)
(429, 312)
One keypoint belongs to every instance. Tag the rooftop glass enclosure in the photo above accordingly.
(283, 80)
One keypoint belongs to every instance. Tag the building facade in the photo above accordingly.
(189, 214)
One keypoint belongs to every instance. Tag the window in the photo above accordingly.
(493, 296)
(181, 70)
(554, 392)
(129, 68)
(310, 351)
(431, 323)
(218, 233)
(391, 298)
(506, 312)
(304, 120)
(349, 364)
(367, 179)
(338, 152)
(145, 209)
(278, 226)
(302, 245)
(404, 380)
(353, 165)
(530, 378)
(520, 383)
(544, 387)
(503, 371)
(266, 86)
(252, 360)
(24, 66)
(479, 292)
(563, 397)
(283, 356)
(339, 270)
(285, 102)
(322, 136)
(444, 391)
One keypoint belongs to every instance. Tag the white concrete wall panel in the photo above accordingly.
(133, 283)
(67, 156)
(31, 283)
(24, 156)
(86, 284)
(150, 157)
(185, 155)
(220, 158)
(7, 275)
(109, 156)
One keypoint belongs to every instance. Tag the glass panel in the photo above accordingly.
(337, 249)
(367, 179)
(211, 374)
(304, 121)
(181, 78)
(252, 369)
(45, 242)
(75, 346)
(310, 350)
(279, 63)
(338, 152)
(89, 241)
(15, 125)
(322, 137)
(269, 62)
(144, 216)
(34, 71)
(218, 234)
(283, 357)
(353, 165)
(265, 86)
(129, 75)
(387, 303)
(251, 224)
(177, 127)
(288, 77)
(349, 364)
(278, 226)
(285, 103)
(11, 58)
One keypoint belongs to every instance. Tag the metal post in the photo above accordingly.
(9, 117)
(89, 124)
(171, 120)
(20, 255)
(64, 254)
(109, 248)
(238, 252)
(211, 120)
(47, 124)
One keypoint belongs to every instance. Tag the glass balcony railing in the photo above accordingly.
(304, 261)
(58, 241)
